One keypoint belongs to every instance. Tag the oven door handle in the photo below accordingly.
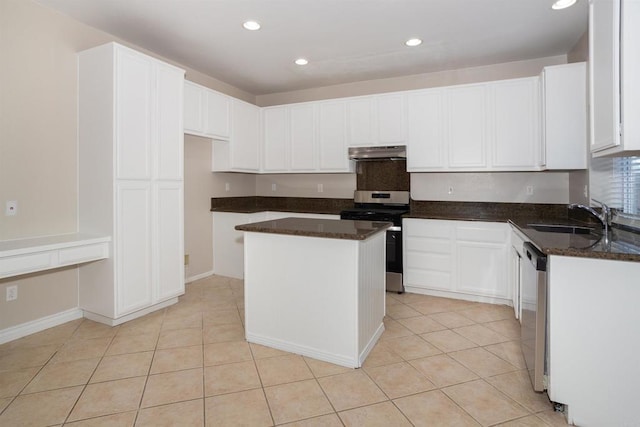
(395, 228)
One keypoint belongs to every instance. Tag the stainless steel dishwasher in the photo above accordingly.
(533, 320)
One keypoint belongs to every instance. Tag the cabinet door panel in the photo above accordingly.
(604, 72)
(361, 122)
(515, 118)
(426, 130)
(565, 116)
(481, 269)
(193, 102)
(245, 138)
(391, 119)
(133, 246)
(168, 241)
(332, 136)
(133, 123)
(169, 148)
(466, 120)
(217, 120)
(276, 139)
(303, 147)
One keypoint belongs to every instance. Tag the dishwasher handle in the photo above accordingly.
(537, 258)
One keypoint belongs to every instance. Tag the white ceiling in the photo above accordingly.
(344, 40)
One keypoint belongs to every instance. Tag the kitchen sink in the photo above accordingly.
(554, 228)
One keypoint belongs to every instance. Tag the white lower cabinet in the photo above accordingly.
(228, 243)
(457, 259)
(130, 181)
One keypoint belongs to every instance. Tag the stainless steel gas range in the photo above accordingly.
(387, 206)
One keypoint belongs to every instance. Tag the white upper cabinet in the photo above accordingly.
(361, 121)
(614, 67)
(515, 124)
(466, 126)
(475, 127)
(332, 137)
(391, 114)
(133, 115)
(426, 130)
(564, 116)
(245, 137)
(206, 112)
(308, 137)
(275, 139)
(377, 120)
(302, 133)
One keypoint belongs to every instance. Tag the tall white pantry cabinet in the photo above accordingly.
(131, 181)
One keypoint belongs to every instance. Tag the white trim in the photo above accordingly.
(459, 295)
(114, 322)
(372, 342)
(336, 359)
(198, 276)
(28, 328)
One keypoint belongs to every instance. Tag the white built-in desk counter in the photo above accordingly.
(22, 256)
(315, 287)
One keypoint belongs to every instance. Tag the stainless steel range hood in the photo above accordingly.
(395, 152)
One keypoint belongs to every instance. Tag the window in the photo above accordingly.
(616, 182)
(628, 168)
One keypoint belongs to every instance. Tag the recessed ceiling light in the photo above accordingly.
(301, 61)
(563, 4)
(413, 42)
(251, 25)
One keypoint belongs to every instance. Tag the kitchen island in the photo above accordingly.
(315, 287)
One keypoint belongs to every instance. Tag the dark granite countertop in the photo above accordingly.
(327, 228)
(619, 245)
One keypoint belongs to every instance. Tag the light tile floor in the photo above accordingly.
(439, 362)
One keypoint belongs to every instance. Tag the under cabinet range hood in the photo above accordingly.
(395, 152)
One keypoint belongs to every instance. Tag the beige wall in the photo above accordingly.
(548, 187)
(38, 148)
(38, 144)
(339, 186)
(198, 187)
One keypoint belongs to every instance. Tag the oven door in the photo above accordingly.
(394, 260)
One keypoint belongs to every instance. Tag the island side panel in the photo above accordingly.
(371, 292)
(301, 295)
(593, 339)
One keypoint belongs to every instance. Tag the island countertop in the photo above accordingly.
(328, 228)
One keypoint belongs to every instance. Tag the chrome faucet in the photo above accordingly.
(604, 216)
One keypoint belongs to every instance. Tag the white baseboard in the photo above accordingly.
(198, 276)
(459, 295)
(19, 331)
(336, 359)
(115, 322)
(372, 342)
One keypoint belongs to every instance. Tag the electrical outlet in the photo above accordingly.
(227, 186)
(12, 293)
(450, 191)
(274, 187)
(186, 259)
(529, 190)
(320, 188)
(11, 208)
